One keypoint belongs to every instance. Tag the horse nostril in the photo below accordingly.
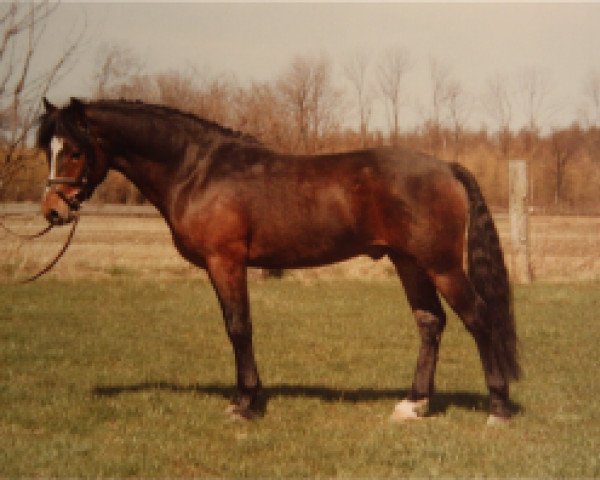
(54, 217)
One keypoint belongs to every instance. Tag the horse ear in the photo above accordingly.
(48, 106)
(77, 106)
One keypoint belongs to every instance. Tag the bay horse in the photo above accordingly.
(232, 203)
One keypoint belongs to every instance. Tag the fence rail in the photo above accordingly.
(121, 238)
(90, 209)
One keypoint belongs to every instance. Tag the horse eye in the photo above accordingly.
(76, 155)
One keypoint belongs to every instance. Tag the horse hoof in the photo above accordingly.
(237, 414)
(240, 416)
(497, 421)
(409, 410)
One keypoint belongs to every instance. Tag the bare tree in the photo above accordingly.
(296, 91)
(591, 92)
(22, 82)
(117, 66)
(178, 90)
(217, 94)
(308, 92)
(392, 69)
(328, 105)
(497, 102)
(440, 84)
(565, 144)
(259, 113)
(356, 71)
(458, 105)
(533, 87)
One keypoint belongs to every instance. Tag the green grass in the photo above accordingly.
(131, 378)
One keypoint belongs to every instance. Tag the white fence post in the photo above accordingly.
(519, 221)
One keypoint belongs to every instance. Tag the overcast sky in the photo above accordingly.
(256, 42)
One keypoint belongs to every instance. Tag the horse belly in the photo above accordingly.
(301, 233)
(302, 245)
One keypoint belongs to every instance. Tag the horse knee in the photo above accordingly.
(431, 326)
(239, 331)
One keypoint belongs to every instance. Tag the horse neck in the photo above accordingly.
(150, 177)
(155, 163)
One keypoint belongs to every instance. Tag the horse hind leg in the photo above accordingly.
(431, 321)
(460, 294)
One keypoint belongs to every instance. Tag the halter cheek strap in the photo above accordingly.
(74, 202)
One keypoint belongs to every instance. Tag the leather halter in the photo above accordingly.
(82, 181)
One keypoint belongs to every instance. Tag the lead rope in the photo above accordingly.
(26, 237)
(49, 267)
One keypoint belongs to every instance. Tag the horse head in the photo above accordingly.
(77, 164)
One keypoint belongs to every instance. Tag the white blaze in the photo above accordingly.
(56, 146)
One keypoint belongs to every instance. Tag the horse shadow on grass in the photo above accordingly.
(439, 404)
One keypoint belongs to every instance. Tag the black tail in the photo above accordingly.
(489, 276)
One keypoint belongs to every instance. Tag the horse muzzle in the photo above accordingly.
(58, 209)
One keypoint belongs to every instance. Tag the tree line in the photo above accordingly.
(316, 106)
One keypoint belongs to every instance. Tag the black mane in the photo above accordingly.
(64, 119)
(170, 114)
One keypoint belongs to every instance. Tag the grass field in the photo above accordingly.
(129, 377)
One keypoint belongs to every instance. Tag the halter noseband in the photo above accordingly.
(74, 202)
(84, 192)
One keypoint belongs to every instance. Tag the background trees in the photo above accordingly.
(316, 105)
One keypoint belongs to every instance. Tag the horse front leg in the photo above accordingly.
(228, 278)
